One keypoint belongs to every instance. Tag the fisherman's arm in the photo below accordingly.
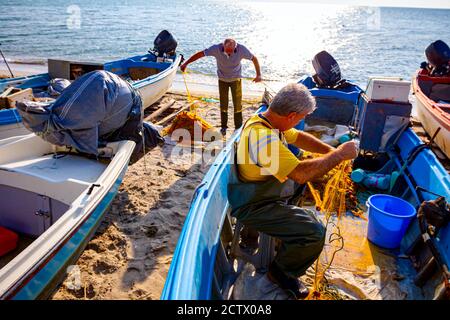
(310, 169)
(310, 143)
(193, 58)
(257, 69)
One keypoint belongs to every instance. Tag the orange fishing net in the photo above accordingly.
(188, 120)
(335, 192)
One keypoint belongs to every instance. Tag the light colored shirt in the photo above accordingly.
(228, 67)
(263, 152)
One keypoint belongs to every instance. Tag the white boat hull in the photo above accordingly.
(84, 188)
(151, 90)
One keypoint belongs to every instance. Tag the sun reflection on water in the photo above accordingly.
(292, 34)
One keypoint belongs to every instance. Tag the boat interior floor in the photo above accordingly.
(361, 270)
(440, 91)
(139, 73)
(24, 242)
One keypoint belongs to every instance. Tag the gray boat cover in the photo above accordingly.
(88, 113)
(55, 88)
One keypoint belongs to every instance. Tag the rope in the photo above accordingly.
(321, 288)
(332, 204)
(191, 101)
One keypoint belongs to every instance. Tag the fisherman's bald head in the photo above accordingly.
(229, 45)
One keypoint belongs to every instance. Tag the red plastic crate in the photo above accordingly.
(8, 241)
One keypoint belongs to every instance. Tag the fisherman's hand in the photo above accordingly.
(257, 79)
(348, 150)
(183, 67)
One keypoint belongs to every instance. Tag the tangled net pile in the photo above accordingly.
(334, 194)
(188, 120)
(338, 190)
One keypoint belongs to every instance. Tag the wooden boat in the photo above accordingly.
(208, 264)
(151, 78)
(54, 199)
(433, 106)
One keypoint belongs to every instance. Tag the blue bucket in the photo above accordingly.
(389, 217)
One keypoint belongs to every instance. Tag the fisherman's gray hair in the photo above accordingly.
(294, 97)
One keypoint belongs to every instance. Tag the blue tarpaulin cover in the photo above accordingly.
(92, 110)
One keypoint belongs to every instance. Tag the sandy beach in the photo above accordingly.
(130, 254)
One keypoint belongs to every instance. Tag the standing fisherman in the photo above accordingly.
(229, 70)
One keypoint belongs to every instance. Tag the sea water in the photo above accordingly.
(366, 41)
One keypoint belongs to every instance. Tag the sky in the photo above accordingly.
(384, 3)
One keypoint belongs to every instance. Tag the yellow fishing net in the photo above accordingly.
(188, 120)
(335, 192)
(334, 195)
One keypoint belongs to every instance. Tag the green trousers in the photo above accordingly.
(301, 233)
(236, 94)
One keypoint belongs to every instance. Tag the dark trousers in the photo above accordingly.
(301, 233)
(236, 94)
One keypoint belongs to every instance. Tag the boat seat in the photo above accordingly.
(62, 179)
(263, 256)
(440, 91)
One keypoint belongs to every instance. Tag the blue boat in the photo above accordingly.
(208, 264)
(150, 75)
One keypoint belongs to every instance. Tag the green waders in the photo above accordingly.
(236, 94)
(265, 207)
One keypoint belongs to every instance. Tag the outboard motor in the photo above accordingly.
(328, 73)
(438, 56)
(165, 44)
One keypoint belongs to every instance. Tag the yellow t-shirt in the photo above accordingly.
(262, 151)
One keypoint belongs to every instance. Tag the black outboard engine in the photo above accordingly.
(165, 44)
(438, 56)
(328, 73)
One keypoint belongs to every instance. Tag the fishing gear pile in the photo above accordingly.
(189, 120)
(335, 192)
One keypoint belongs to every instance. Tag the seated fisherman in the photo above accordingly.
(270, 175)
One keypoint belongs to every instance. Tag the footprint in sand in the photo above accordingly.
(105, 266)
(150, 231)
(140, 294)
